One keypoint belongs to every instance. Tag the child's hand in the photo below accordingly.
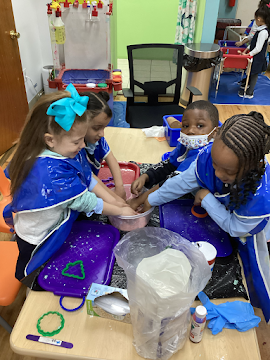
(134, 203)
(138, 184)
(121, 204)
(127, 211)
(200, 195)
(120, 191)
(146, 206)
(238, 43)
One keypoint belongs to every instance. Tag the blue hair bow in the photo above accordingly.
(66, 109)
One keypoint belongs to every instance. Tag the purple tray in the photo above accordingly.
(89, 241)
(176, 216)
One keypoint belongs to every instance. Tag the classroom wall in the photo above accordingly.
(140, 21)
(245, 10)
(34, 43)
(227, 12)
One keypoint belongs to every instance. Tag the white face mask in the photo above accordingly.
(195, 141)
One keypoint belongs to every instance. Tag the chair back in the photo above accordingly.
(155, 70)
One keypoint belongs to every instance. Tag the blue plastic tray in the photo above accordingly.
(229, 43)
(89, 241)
(176, 216)
(83, 76)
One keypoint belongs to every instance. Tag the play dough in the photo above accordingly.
(167, 272)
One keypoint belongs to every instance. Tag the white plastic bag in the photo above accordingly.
(160, 324)
(154, 131)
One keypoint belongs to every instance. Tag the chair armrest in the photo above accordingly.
(194, 91)
(127, 93)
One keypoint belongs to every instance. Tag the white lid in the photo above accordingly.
(208, 250)
(91, 85)
(201, 311)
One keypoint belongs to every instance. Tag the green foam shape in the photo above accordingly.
(72, 275)
(54, 332)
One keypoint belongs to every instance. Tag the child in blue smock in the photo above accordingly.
(258, 48)
(49, 182)
(97, 148)
(199, 125)
(235, 192)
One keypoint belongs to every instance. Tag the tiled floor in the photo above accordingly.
(147, 70)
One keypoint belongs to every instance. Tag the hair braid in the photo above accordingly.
(249, 138)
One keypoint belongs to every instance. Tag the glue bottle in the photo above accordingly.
(88, 5)
(54, 46)
(60, 32)
(197, 324)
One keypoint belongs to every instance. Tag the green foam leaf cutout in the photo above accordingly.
(64, 272)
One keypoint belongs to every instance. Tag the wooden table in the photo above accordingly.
(97, 338)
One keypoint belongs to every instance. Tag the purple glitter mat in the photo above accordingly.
(92, 243)
(176, 216)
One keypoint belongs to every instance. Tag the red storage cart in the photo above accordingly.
(232, 59)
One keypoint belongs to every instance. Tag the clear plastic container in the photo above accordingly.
(128, 223)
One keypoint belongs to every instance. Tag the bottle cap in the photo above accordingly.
(201, 311)
(94, 11)
(66, 4)
(49, 10)
(58, 12)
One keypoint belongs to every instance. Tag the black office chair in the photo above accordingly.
(155, 71)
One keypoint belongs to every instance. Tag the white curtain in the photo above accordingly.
(185, 27)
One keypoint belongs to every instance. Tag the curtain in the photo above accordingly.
(185, 26)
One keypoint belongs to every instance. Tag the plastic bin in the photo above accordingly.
(230, 43)
(233, 59)
(173, 134)
(129, 172)
(129, 223)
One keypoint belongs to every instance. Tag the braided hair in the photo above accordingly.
(248, 137)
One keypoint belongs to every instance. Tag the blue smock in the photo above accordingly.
(50, 182)
(252, 247)
(102, 149)
(181, 157)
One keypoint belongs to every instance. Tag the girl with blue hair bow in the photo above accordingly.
(49, 182)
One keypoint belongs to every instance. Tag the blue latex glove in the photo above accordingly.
(237, 315)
